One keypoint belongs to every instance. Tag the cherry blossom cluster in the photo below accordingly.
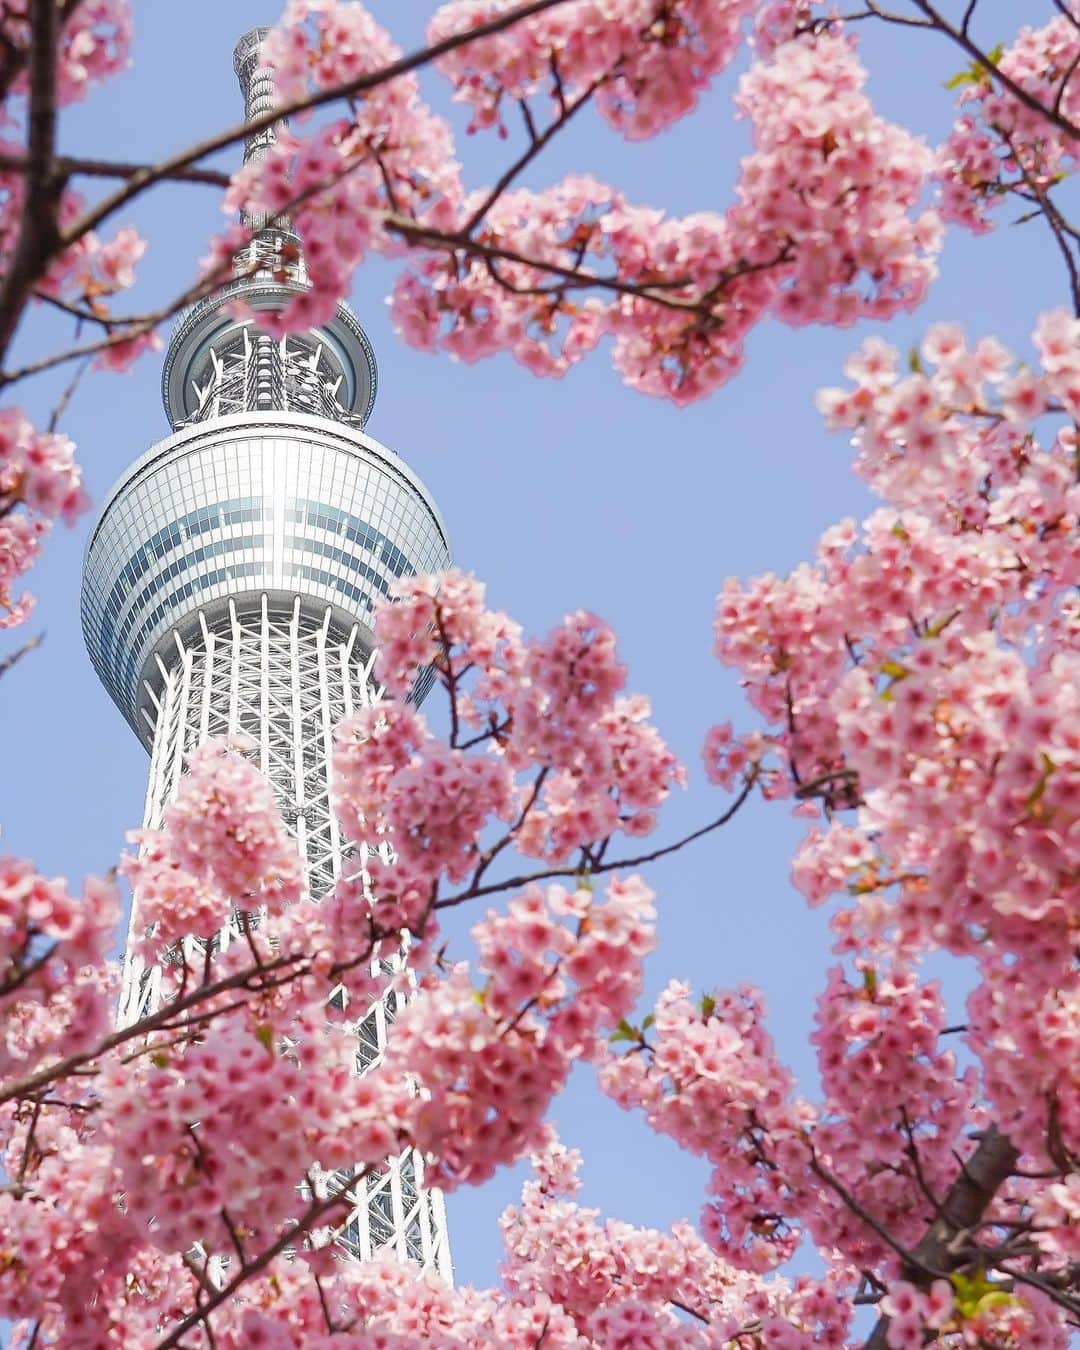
(999, 146)
(67, 1241)
(37, 473)
(557, 969)
(968, 1311)
(391, 155)
(923, 675)
(708, 1076)
(223, 833)
(635, 1279)
(94, 45)
(184, 1122)
(55, 980)
(842, 1172)
(380, 1303)
(648, 61)
(551, 708)
(828, 227)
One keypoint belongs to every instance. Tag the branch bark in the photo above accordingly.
(970, 1195)
(39, 234)
(235, 135)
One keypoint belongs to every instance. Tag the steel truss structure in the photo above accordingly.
(228, 591)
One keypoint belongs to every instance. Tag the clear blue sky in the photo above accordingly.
(561, 495)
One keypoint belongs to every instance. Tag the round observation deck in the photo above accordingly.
(238, 508)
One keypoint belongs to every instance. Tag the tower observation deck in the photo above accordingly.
(230, 584)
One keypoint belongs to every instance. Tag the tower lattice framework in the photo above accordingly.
(230, 586)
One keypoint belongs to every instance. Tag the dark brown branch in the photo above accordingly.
(980, 1179)
(235, 135)
(39, 235)
(993, 71)
(1052, 216)
(414, 233)
(596, 869)
(69, 166)
(536, 145)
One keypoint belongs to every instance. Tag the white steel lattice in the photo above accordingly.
(285, 679)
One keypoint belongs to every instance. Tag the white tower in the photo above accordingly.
(230, 582)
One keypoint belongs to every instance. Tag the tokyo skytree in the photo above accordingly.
(230, 584)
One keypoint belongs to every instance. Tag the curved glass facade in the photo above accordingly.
(244, 506)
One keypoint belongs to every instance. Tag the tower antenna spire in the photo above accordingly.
(218, 364)
(257, 87)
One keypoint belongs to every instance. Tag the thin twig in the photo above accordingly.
(536, 145)
(236, 135)
(315, 1211)
(64, 401)
(1053, 219)
(982, 59)
(16, 656)
(621, 864)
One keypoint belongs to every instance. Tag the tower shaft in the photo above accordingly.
(283, 681)
(229, 589)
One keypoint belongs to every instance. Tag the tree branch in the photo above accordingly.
(315, 1211)
(414, 233)
(235, 135)
(17, 655)
(598, 868)
(537, 143)
(988, 1168)
(980, 58)
(39, 236)
(69, 166)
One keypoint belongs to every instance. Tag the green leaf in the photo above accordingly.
(968, 76)
(976, 73)
(708, 1005)
(914, 364)
(937, 628)
(624, 1032)
(869, 982)
(265, 1036)
(976, 1294)
(894, 670)
(160, 1060)
(648, 1022)
(1036, 793)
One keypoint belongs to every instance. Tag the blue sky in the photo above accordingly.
(560, 495)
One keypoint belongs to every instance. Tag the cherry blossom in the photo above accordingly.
(55, 981)
(38, 473)
(648, 62)
(999, 146)
(826, 228)
(183, 1178)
